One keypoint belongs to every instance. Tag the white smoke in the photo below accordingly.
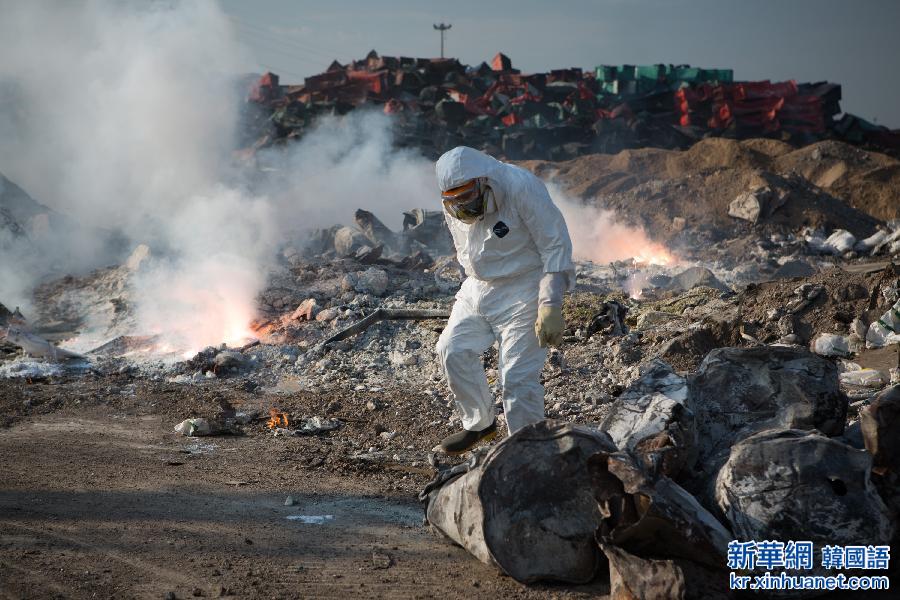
(598, 236)
(123, 117)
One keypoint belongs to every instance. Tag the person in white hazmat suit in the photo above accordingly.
(515, 248)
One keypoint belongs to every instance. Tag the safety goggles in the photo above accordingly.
(465, 202)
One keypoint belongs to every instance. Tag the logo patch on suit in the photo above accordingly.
(500, 229)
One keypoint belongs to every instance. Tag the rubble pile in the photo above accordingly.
(764, 426)
(440, 103)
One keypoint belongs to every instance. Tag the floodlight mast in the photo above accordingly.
(442, 28)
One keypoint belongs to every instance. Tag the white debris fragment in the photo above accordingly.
(328, 314)
(840, 241)
(863, 378)
(885, 330)
(29, 369)
(870, 243)
(311, 519)
(830, 344)
(194, 427)
(36, 346)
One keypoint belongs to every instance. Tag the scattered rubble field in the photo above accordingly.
(101, 499)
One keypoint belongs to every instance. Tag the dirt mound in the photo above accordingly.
(651, 187)
(867, 181)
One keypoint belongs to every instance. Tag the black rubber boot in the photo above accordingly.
(466, 440)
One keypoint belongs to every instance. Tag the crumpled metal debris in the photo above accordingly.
(610, 320)
(632, 577)
(738, 391)
(653, 516)
(880, 425)
(527, 506)
(651, 420)
(310, 426)
(17, 331)
(786, 484)
(199, 427)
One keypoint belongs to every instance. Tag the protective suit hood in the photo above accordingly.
(462, 164)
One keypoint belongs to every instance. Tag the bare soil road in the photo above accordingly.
(99, 499)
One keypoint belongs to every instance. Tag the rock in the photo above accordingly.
(880, 426)
(785, 484)
(372, 281)
(306, 311)
(348, 282)
(402, 359)
(695, 277)
(373, 405)
(536, 525)
(756, 204)
(739, 391)
(794, 268)
(347, 241)
(653, 317)
(228, 359)
(138, 257)
(327, 314)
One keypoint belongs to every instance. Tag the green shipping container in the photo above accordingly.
(648, 72)
(626, 73)
(611, 87)
(606, 73)
(720, 75)
(689, 74)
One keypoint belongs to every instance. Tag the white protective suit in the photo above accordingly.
(516, 257)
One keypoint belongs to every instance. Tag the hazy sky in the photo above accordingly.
(852, 42)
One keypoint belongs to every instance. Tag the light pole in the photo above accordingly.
(442, 28)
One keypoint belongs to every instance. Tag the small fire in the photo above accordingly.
(598, 236)
(204, 304)
(635, 284)
(277, 419)
(654, 254)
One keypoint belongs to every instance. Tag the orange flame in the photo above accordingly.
(277, 419)
(654, 254)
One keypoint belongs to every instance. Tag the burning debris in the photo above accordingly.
(277, 419)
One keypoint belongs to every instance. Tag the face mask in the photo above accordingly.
(466, 202)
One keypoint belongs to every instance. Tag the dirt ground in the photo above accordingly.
(100, 499)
